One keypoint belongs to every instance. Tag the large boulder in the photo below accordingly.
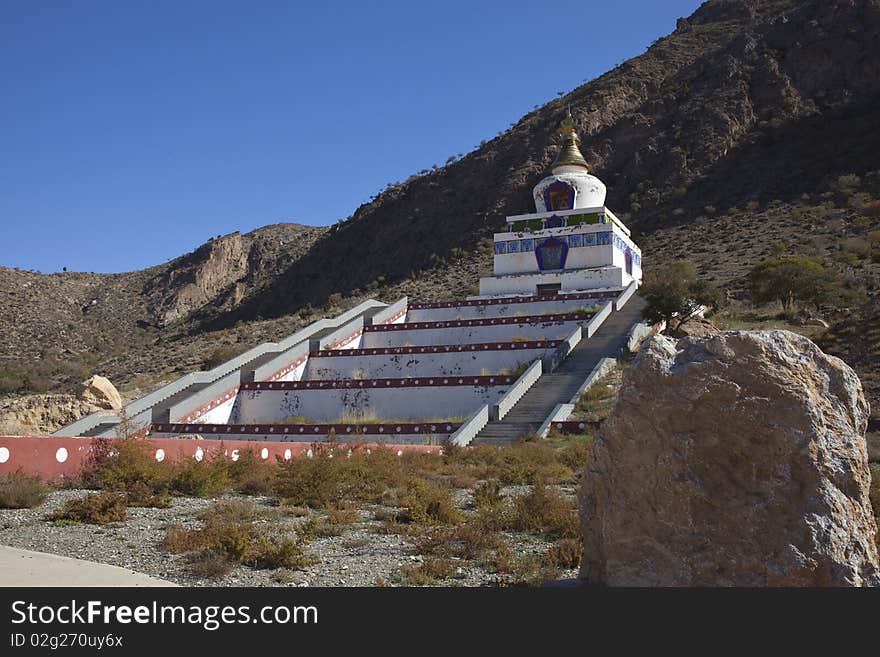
(732, 460)
(99, 392)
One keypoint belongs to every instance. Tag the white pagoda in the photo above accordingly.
(572, 243)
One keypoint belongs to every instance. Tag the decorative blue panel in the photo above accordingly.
(527, 246)
(551, 254)
(513, 246)
(554, 222)
(590, 239)
(559, 196)
(576, 241)
(500, 248)
(603, 239)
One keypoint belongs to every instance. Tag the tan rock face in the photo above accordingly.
(697, 328)
(37, 415)
(99, 392)
(732, 460)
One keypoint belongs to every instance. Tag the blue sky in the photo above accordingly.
(130, 132)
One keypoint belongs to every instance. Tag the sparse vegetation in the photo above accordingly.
(21, 491)
(220, 355)
(94, 508)
(228, 536)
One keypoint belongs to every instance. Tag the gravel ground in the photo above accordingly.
(360, 556)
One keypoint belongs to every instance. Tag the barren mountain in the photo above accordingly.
(754, 123)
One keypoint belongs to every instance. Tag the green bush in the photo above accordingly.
(792, 281)
(675, 294)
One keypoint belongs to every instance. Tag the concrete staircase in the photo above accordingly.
(558, 387)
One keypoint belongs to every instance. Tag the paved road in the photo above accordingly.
(558, 387)
(27, 568)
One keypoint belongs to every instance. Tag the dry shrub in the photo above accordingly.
(488, 495)
(335, 479)
(544, 511)
(522, 463)
(565, 553)
(575, 455)
(500, 561)
(21, 491)
(127, 465)
(294, 511)
(229, 533)
(94, 508)
(413, 575)
(283, 553)
(209, 564)
(428, 572)
(533, 570)
(206, 478)
(425, 502)
(466, 541)
(250, 474)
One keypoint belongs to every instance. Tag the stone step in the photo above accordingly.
(560, 386)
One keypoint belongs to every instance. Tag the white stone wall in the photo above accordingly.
(471, 363)
(489, 311)
(574, 280)
(469, 334)
(219, 414)
(296, 373)
(404, 403)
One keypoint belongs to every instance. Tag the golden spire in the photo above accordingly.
(570, 155)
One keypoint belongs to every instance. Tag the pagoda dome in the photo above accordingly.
(570, 184)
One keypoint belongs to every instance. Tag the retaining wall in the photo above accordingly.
(493, 358)
(413, 399)
(57, 457)
(400, 433)
(136, 410)
(473, 331)
(504, 307)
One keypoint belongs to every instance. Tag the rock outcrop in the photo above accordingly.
(99, 392)
(38, 415)
(732, 460)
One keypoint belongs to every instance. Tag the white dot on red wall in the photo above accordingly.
(4, 454)
(235, 455)
(61, 454)
(199, 455)
(264, 453)
(287, 455)
(160, 455)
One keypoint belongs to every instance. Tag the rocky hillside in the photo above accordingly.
(58, 328)
(746, 100)
(753, 123)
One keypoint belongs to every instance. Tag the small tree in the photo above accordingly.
(675, 294)
(793, 281)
